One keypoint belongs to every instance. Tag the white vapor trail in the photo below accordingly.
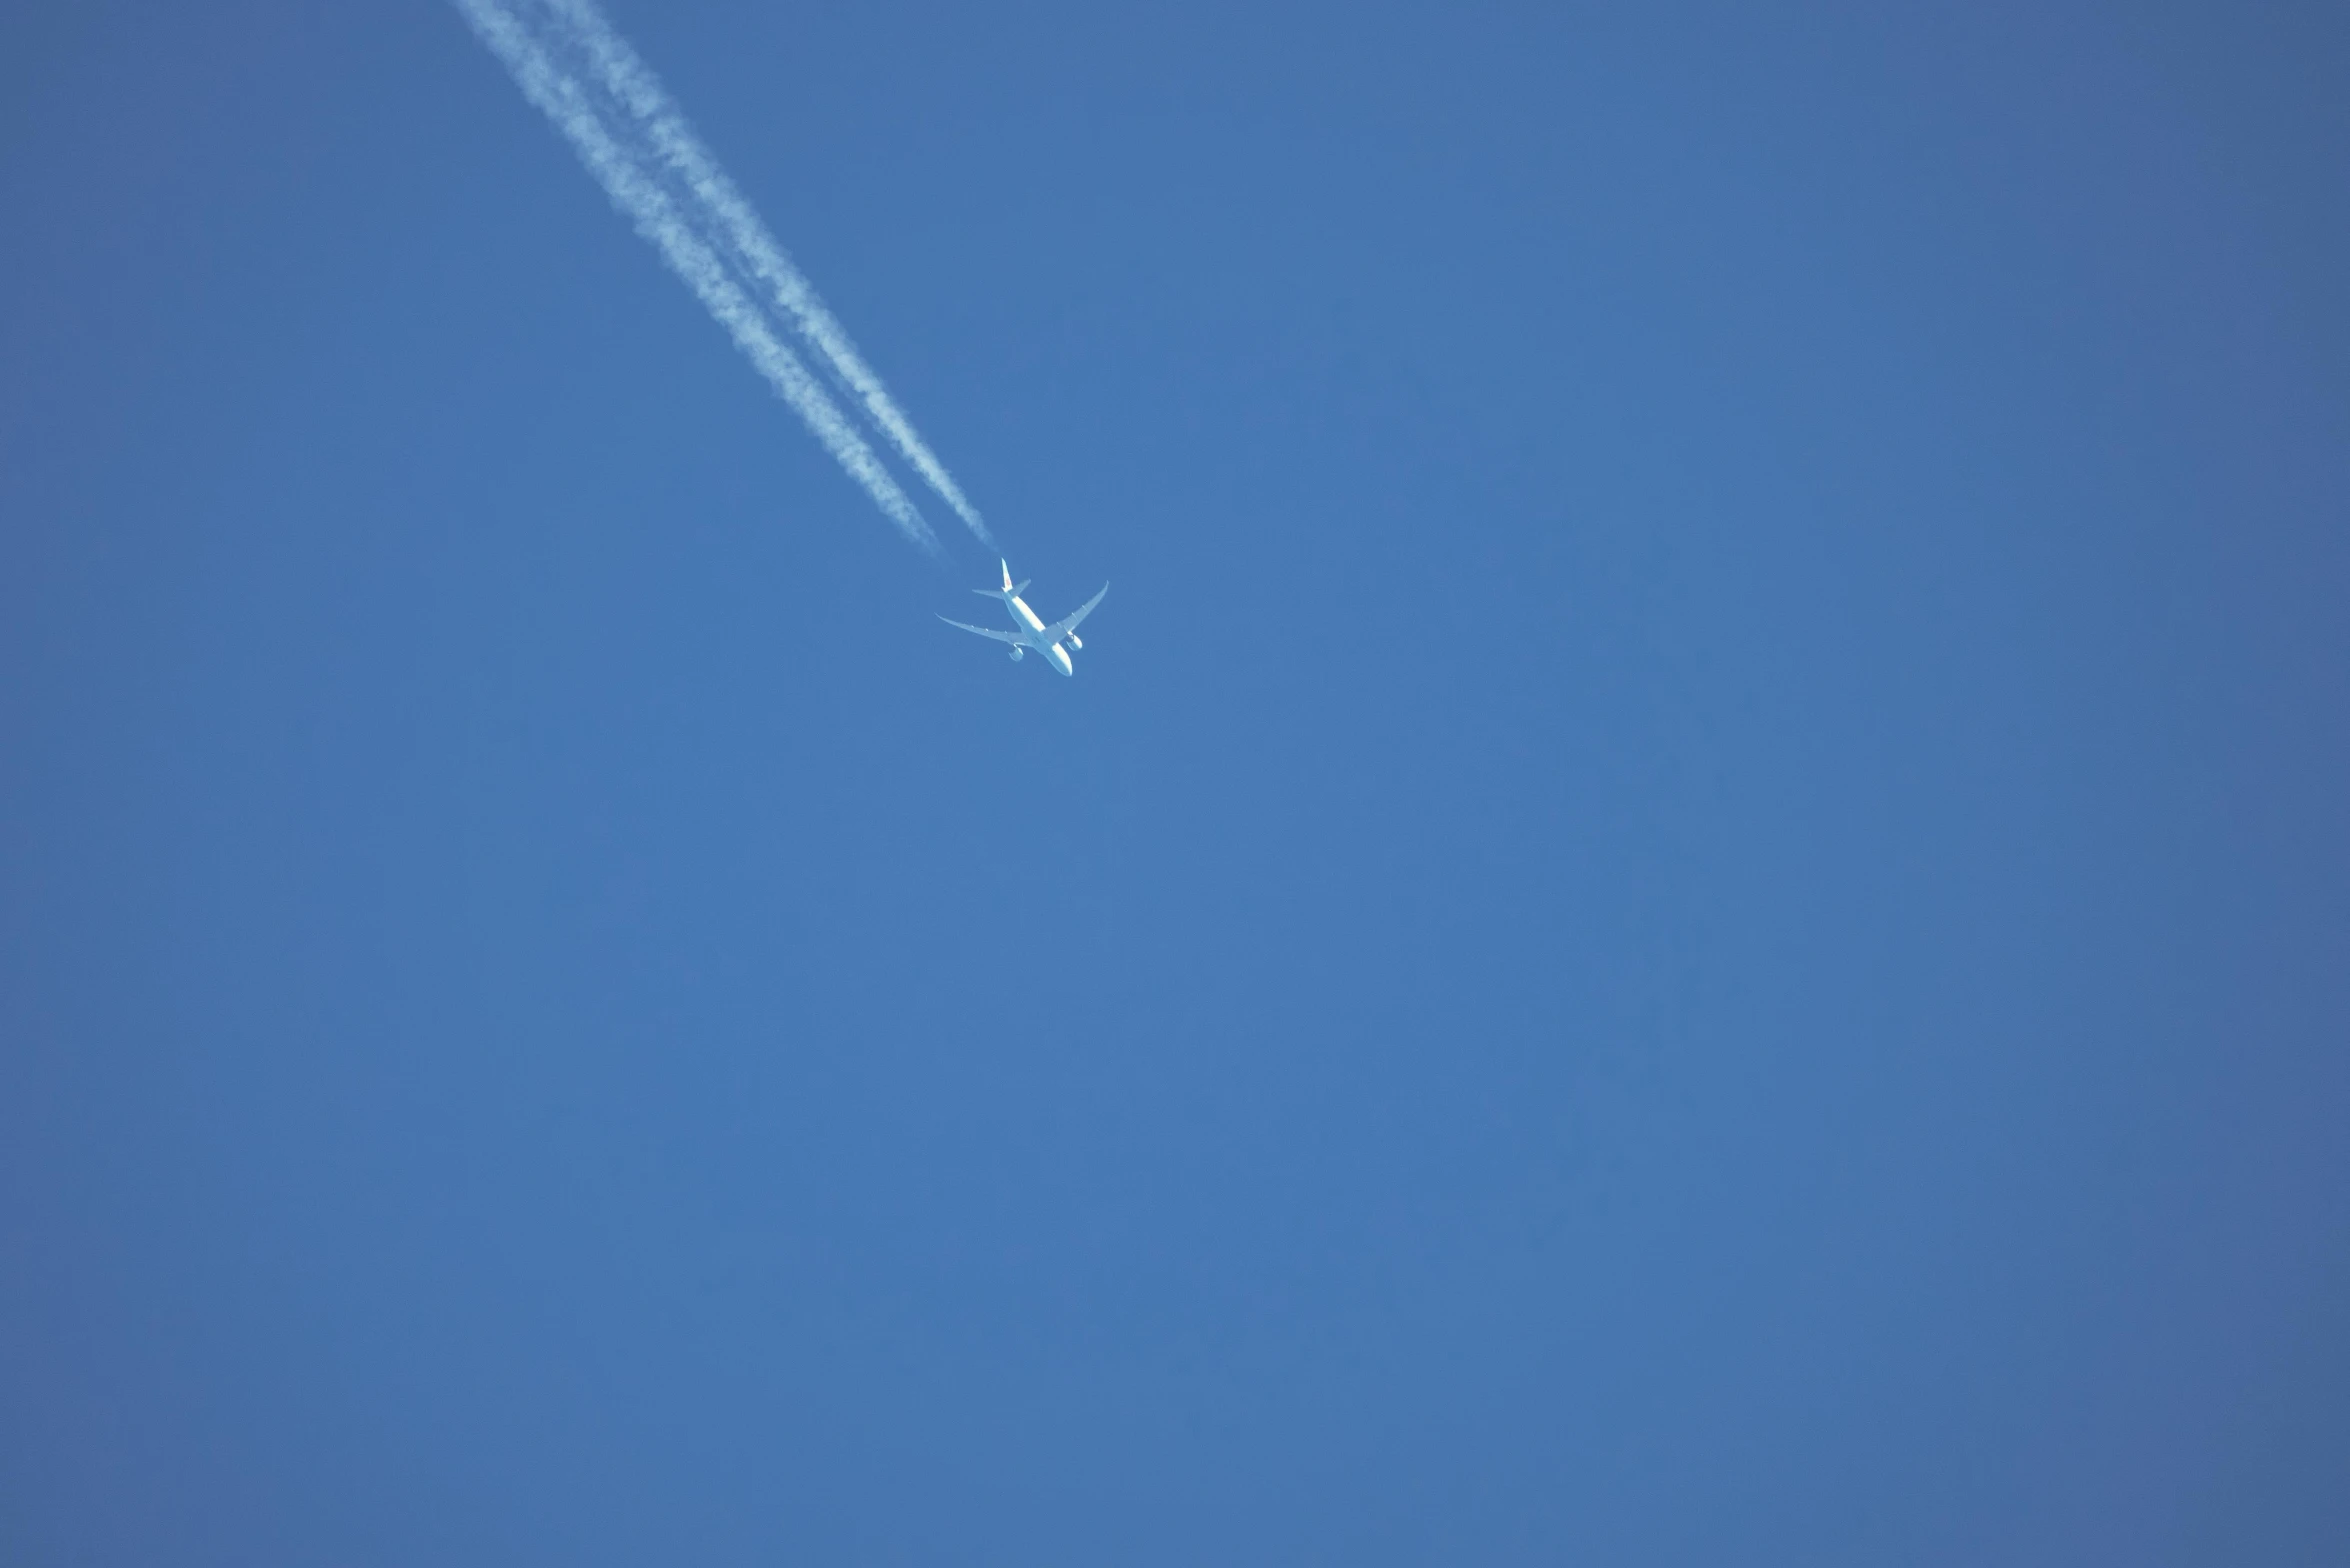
(626, 76)
(640, 197)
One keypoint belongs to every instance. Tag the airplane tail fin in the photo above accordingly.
(1008, 589)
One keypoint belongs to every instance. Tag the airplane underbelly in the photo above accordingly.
(1060, 657)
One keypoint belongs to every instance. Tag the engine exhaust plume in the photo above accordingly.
(633, 184)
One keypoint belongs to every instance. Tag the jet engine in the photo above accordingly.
(1076, 641)
(1017, 653)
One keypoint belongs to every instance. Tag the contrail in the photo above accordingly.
(640, 197)
(626, 76)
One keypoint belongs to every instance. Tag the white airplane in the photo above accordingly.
(1053, 641)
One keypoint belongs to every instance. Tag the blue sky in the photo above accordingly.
(1692, 904)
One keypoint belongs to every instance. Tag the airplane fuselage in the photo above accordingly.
(1033, 635)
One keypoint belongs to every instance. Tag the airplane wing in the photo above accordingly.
(986, 631)
(1068, 623)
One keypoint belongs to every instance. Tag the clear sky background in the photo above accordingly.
(1692, 904)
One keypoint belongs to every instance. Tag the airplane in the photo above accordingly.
(1053, 641)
